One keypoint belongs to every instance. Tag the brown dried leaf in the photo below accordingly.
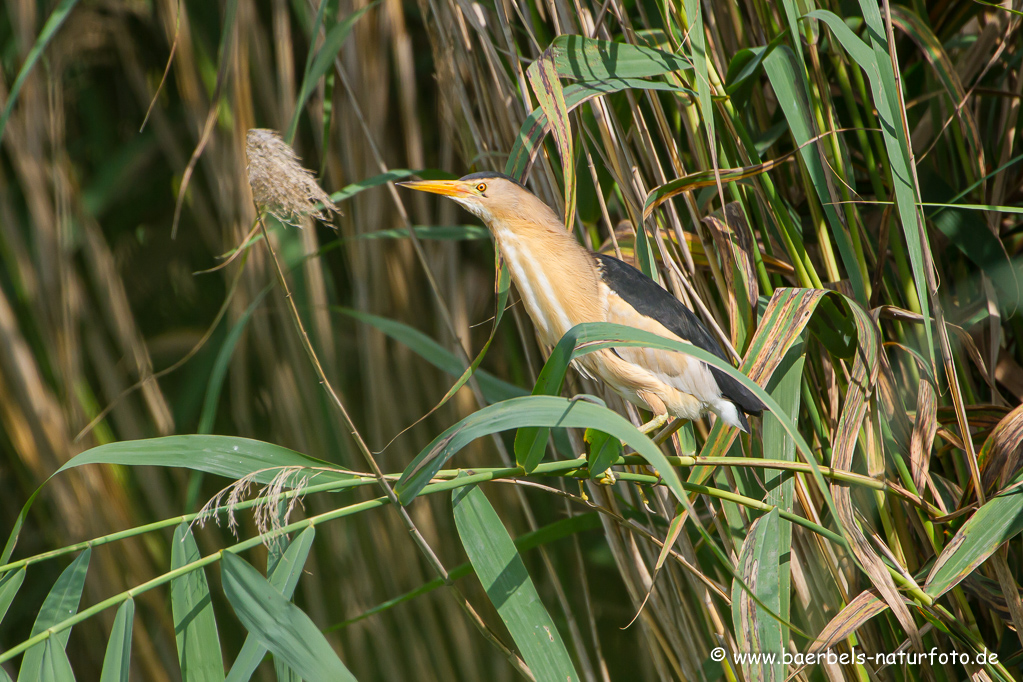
(963, 336)
(732, 236)
(1009, 374)
(864, 377)
(1000, 455)
(923, 433)
(862, 608)
(891, 403)
(1010, 589)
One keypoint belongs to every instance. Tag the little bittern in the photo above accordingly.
(562, 284)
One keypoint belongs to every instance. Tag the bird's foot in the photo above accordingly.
(654, 424)
(607, 478)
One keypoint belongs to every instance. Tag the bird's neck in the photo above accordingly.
(555, 276)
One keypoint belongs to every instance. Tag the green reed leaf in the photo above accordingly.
(589, 60)
(509, 587)
(755, 630)
(10, 583)
(534, 410)
(603, 451)
(117, 661)
(744, 67)
(998, 520)
(61, 602)
(56, 666)
(283, 576)
(227, 456)
(195, 626)
(283, 628)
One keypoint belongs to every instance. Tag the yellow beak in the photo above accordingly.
(448, 188)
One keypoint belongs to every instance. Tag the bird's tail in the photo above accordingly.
(728, 412)
(741, 396)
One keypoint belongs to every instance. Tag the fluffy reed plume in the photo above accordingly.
(270, 515)
(280, 184)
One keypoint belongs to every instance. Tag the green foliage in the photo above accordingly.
(117, 661)
(47, 659)
(983, 533)
(195, 626)
(759, 562)
(283, 577)
(508, 586)
(279, 625)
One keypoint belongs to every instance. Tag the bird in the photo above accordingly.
(562, 284)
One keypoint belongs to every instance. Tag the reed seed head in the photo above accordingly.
(280, 184)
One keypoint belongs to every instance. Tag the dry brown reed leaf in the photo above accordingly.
(280, 184)
(1003, 450)
(862, 608)
(732, 237)
(865, 371)
(924, 430)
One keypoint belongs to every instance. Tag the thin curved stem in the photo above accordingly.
(378, 473)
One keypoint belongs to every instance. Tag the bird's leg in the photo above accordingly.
(659, 409)
(660, 419)
(655, 423)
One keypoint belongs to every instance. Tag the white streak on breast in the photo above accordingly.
(542, 303)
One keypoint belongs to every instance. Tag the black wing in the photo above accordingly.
(643, 294)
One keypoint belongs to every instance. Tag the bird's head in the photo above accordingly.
(491, 196)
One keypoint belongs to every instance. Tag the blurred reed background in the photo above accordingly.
(101, 289)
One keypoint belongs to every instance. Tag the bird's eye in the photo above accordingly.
(482, 187)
